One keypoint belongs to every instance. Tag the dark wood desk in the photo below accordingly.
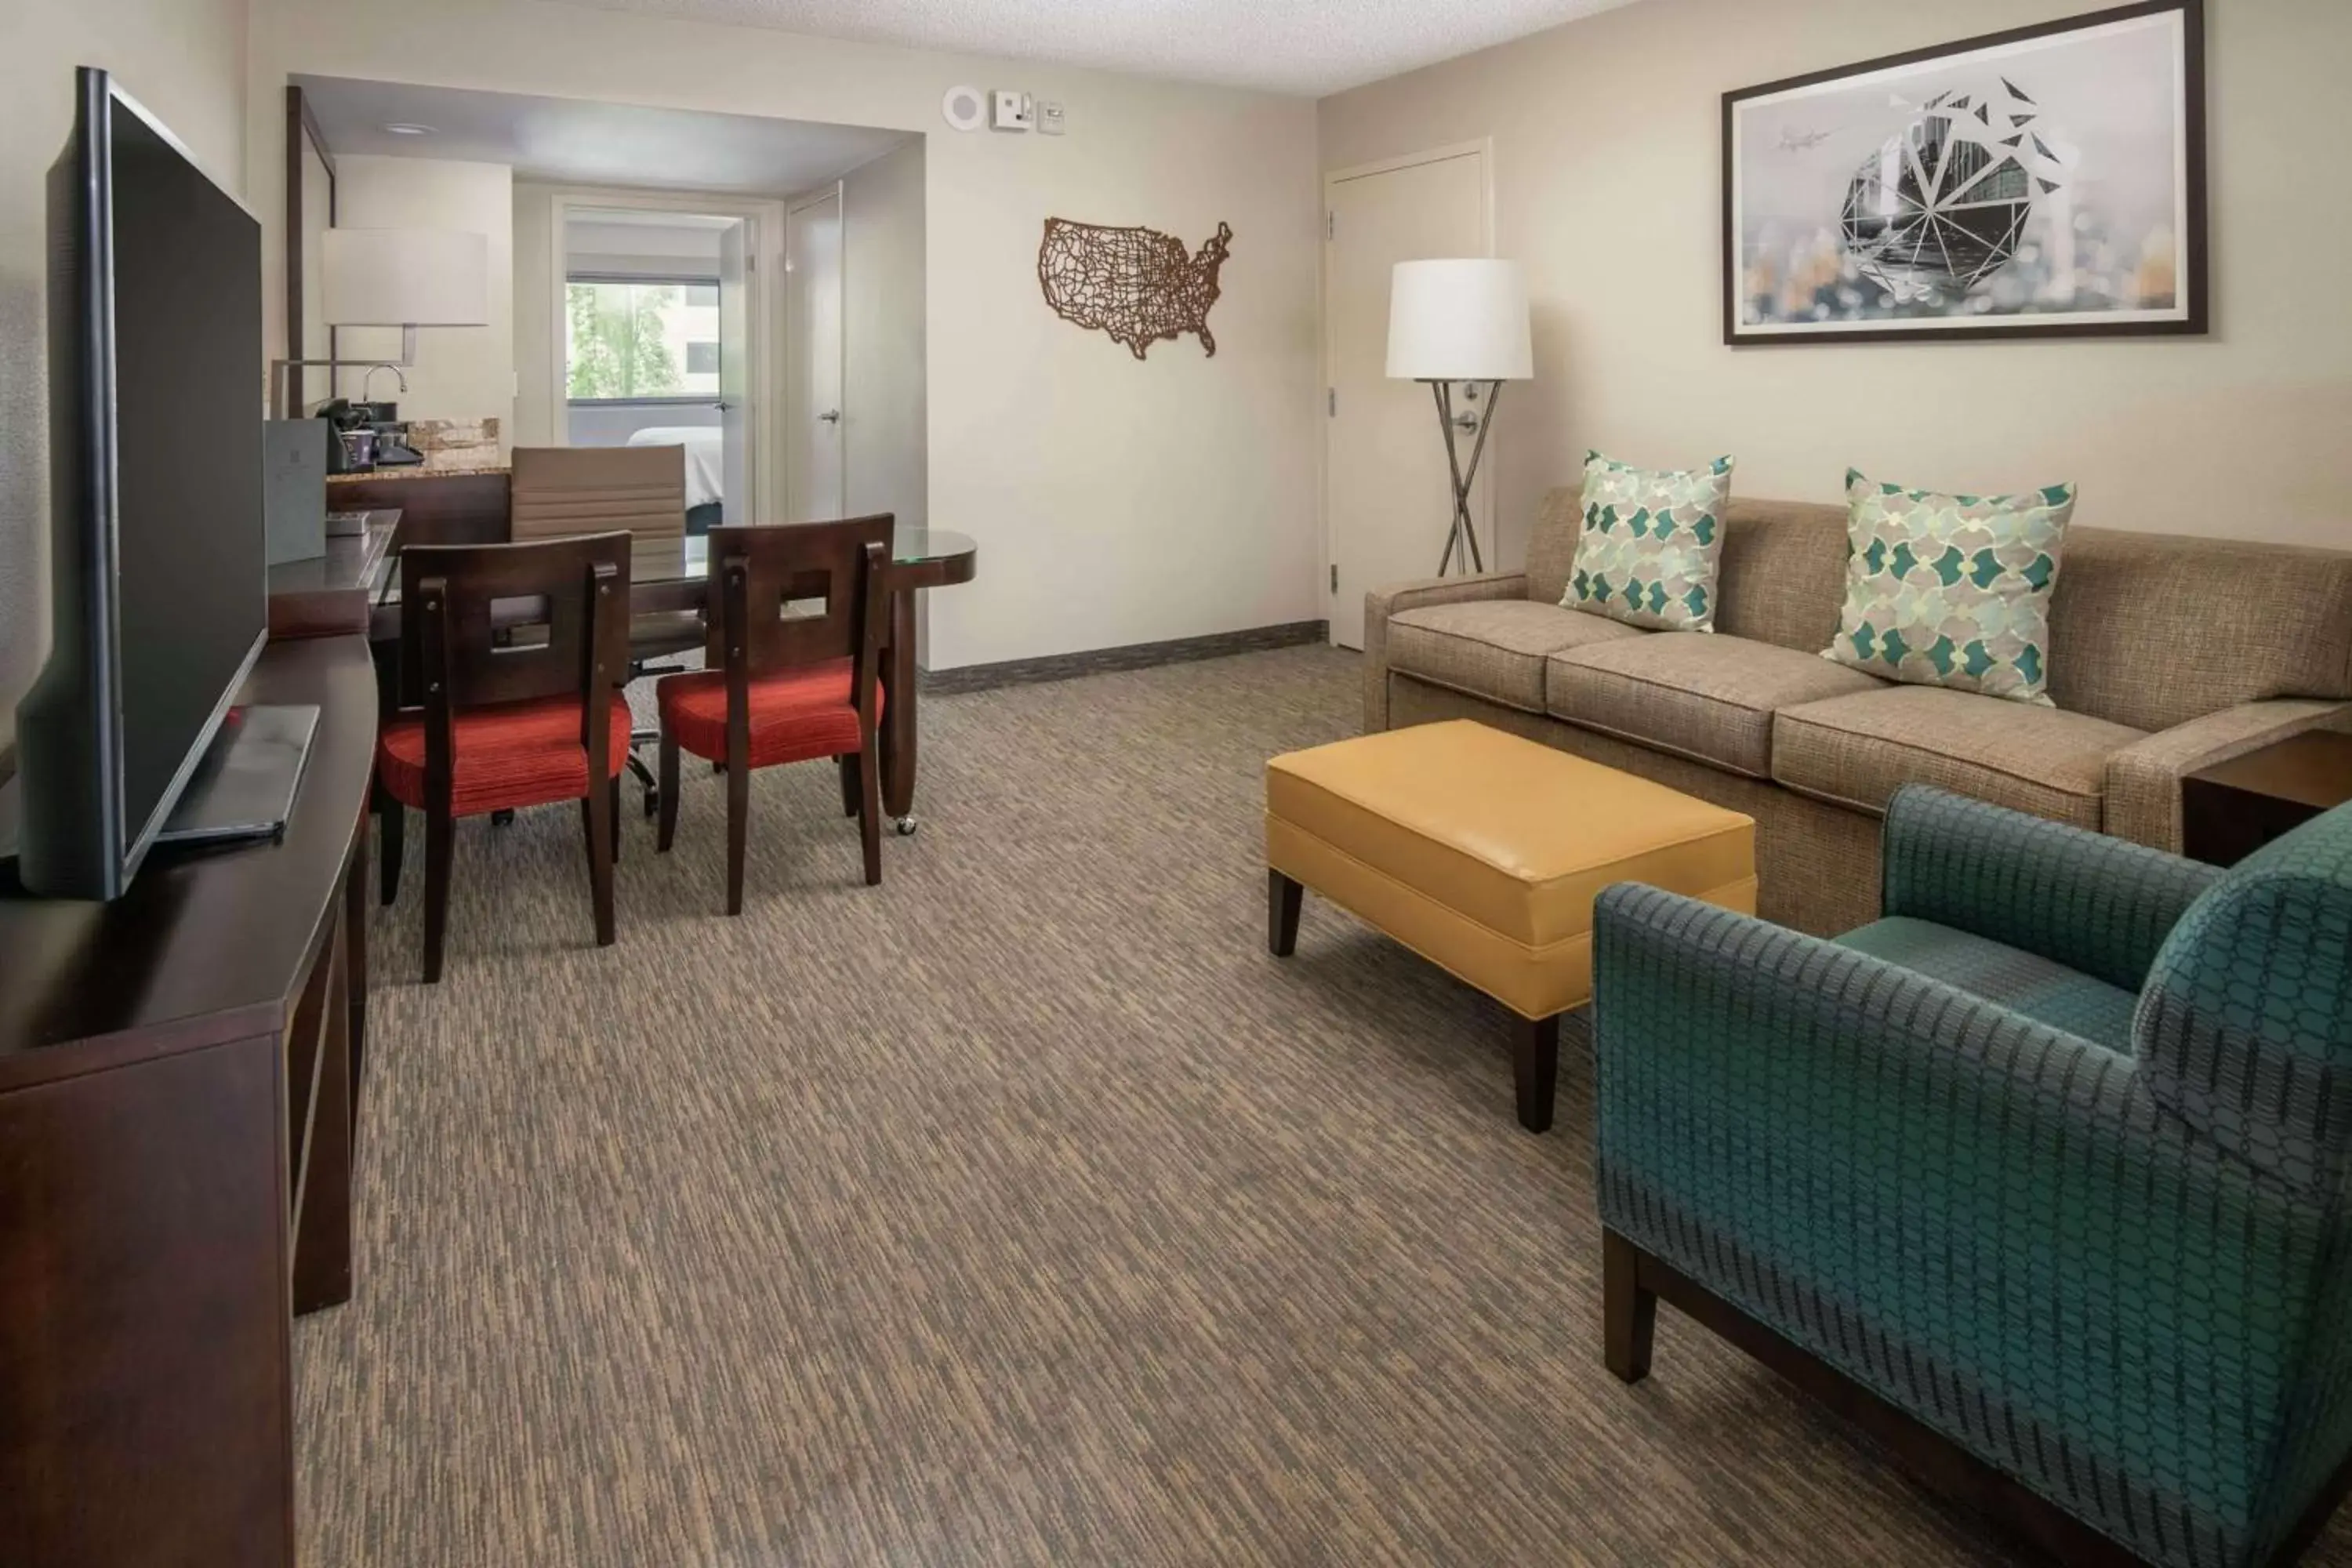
(330, 594)
(2231, 809)
(667, 575)
(179, 1077)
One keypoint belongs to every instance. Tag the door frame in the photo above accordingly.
(764, 307)
(796, 417)
(1482, 149)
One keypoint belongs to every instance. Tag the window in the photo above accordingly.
(641, 340)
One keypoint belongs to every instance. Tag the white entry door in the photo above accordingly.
(1389, 495)
(736, 422)
(813, 255)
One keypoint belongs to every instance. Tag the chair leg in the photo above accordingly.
(739, 814)
(869, 812)
(1535, 1067)
(1629, 1314)
(439, 832)
(848, 766)
(615, 815)
(667, 792)
(395, 818)
(1282, 901)
(598, 808)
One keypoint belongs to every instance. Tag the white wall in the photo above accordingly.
(1114, 503)
(461, 373)
(185, 61)
(1607, 137)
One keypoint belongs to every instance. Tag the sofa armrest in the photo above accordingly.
(1930, 1192)
(2143, 794)
(1380, 604)
(2076, 898)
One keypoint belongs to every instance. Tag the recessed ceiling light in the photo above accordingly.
(403, 128)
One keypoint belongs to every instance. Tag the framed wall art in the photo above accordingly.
(2048, 182)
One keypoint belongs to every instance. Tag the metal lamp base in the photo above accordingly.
(1461, 537)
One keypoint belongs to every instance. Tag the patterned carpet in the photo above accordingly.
(1019, 1210)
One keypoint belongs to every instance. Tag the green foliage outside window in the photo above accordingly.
(617, 347)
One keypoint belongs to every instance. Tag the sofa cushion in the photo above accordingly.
(1952, 590)
(1493, 648)
(1651, 540)
(2155, 630)
(1855, 750)
(1700, 695)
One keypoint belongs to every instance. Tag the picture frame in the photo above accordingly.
(2044, 181)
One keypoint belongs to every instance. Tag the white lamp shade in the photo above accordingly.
(406, 277)
(1459, 320)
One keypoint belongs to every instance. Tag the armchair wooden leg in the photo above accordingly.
(395, 818)
(869, 812)
(849, 785)
(1629, 1313)
(1282, 901)
(615, 815)
(667, 794)
(1535, 1069)
(738, 822)
(439, 831)
(599, 806)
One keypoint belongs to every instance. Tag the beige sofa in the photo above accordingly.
(2166, 654)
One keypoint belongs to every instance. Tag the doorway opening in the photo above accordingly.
(660, 343)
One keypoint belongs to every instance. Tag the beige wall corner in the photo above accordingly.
(1607, 136)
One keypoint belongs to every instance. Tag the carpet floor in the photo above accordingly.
(1020, 1210)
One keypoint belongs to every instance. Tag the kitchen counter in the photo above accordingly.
(421, 471)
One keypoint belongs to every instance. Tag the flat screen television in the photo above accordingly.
(159, 550)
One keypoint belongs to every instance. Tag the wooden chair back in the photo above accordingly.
(557, 491)
(450, 660)
(759, 578)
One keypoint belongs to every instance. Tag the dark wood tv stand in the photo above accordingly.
(179, 1094)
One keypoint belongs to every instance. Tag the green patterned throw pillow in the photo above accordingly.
(1648, 550)
(1951, 590)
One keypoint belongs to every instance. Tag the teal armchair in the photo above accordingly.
(2043, 1176)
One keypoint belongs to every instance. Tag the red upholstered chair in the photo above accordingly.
(780, 685)
(531, 718)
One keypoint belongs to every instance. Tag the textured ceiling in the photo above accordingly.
(1310, 47)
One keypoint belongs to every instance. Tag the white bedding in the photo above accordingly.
(703, 467)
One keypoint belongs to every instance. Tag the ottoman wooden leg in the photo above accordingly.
(1535, 1067)
(1282, 897)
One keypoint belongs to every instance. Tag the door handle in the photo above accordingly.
(830, 416)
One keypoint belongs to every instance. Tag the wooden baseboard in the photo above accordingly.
(1134, 656)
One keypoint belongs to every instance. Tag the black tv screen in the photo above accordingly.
(159, 550)
(190, 552)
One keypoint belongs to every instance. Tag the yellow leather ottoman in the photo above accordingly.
(1482, 852)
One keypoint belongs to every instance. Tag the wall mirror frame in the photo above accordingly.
(309, 210)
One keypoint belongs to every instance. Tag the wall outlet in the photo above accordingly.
(1049, 118)
(1012, 110)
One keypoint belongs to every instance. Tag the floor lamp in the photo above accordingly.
(1461, 321)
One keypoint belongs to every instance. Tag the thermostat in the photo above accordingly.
(1013, 111)
(966, 108)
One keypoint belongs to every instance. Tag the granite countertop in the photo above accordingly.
(421, 471)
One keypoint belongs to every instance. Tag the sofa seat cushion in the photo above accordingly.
(1856, 750)
(2022, 981)
(1699, 695)
(1493, 648)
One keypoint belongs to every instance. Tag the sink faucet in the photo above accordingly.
(366, 395)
